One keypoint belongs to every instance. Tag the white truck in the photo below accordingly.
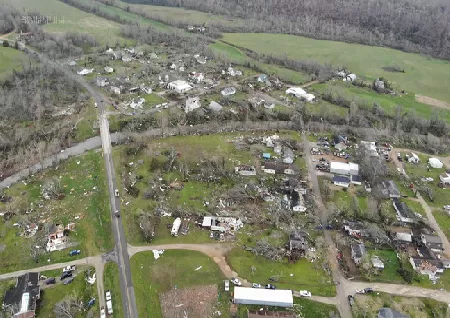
(176, 226)
(109, 302)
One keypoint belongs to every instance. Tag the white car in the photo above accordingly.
(116, 192)
(255, 285)
(447, 207)
(227, 285)
(95, 105)
(108, 295)
(102, 313)
(69, 268)
(305, 293)
(236, 281)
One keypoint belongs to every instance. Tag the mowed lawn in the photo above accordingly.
(70, 19)
(304, 274)
(10, 59)
(174, 269)
(111, 282)
(423, 75)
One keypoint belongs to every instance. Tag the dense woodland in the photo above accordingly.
(411, 25)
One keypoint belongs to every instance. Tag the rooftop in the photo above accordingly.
(25, 293)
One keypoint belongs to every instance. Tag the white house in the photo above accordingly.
(445, 178)
(179, 86)
(192, 103)
(342, 168)
(350, 78)
(115, 90)
(435, 163)
(295, 91)
(85, 71)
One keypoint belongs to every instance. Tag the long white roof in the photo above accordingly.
(263, 295)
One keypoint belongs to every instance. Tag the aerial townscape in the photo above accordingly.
(226, 158)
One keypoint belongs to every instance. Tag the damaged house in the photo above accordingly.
(298, 241)
(358, 252)
(56, 238)
(222, 224)
(404, 214)
(273, 167)
(23, 297)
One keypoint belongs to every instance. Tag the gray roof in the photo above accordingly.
(359, 249)
(215, 106)
(391, 187)
(341, 179)
(390, 313)
(432, 239)
(28, 283)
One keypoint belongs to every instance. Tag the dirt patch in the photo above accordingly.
(190, 302)
(432, 101)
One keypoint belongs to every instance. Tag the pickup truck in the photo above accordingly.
(69, 268)
(109, 307)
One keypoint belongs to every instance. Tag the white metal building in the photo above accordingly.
(267, 297)
(179, 86)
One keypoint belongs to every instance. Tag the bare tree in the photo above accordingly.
(148, 223)
(69, 307)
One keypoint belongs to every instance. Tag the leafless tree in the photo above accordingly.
(148, 224)
(69, 307)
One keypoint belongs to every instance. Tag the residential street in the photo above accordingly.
(341, 290)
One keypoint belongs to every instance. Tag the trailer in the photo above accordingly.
(109, 307)
(175, 227)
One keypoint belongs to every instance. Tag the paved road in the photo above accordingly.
(126, 284)
(341, 298)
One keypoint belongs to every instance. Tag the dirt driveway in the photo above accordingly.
(432, 101)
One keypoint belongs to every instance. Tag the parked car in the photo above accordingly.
(91, 303)
(351, 300)
(360, 291)
(102, 312)
(368, 290)
(236, 281)
(69, 268)
(108, 295)
(65, 275)
(50, 281)
(305, 293)
(447, 207)
(227, 285)
(117, 214)
(66, 282)
(116, 192)
(74, 252)
(255, 285)
(270, 286)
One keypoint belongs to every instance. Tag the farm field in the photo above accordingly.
(238, 57)
(174, 271)
(84, 202)
(423, 75)
(10, 59)
(317, 281)
(367, 98)
(183, 16)
(71, 19)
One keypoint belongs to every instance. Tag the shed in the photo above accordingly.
(266, 155)
(265, 297)
(179, 86)
(435, 163)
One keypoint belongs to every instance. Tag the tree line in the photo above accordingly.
(410, 25)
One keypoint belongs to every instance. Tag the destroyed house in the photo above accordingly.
(358, 252)
(404, 214)
(434, 243)
(389, 189)
(354, 228)
(298, 241)
(22, 298)
(274, 167)
(401, 234)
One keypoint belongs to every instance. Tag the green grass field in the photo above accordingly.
(369, 304)
(423, 75)
(391, 266)
(174, 269)
(10, 59)
(111, 282)
(305, 276)
(71, 19)
(238, 57)
(367, 98)
(86, 196)
(182, 15)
